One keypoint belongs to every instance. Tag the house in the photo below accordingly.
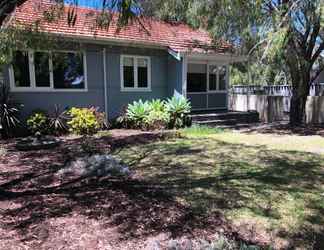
(107, 68)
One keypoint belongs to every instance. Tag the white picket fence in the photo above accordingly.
(274, 90)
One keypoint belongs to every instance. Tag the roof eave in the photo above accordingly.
(108, 41)
(226, 57)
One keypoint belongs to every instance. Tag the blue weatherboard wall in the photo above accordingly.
(165, 74)
(118, 100)
(174, 76)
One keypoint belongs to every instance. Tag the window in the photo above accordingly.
(212, 78)
(222, 78)
(135, 73)
(42, 70)
(197, 78)
(21, 69)
(202, 78)
(68, 71)
(48, 71)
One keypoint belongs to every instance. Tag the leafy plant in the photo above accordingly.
(38, 122)
(101, 118)
(137, 112)
(156, 120)
(83, 121)
(58, 121)
(157, 105)
(179, 109)
(9, 111)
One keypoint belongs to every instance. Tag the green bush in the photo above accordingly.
(137, 112)
(83, 121)
(157, 118)
(178, 109)
(157, 114)
(38, 122)
(101, 118)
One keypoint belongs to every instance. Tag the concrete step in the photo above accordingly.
(218, 122)
(240, 116)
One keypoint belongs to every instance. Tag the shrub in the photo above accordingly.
(156, 120)
(9, 111)
(157, 117)
(58, 121)
(137, 112)
(101, 118)
(178, 109)
(38, 122)
(83, 121)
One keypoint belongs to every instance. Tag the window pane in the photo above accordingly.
(21, 69)
(212, 78)
(129, 72)
(142, 71)
(222, 78)
(42, 74)
(68, 70)
(197, 78)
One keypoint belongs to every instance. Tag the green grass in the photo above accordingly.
(200, 131)
(272, 183)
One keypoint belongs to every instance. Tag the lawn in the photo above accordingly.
(270, 184)
(265, 189)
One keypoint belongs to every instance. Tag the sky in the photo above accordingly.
(87, 3)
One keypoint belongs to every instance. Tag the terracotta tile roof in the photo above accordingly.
(178, 37)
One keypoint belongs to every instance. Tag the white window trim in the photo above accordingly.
(33, 87)
(135, 88)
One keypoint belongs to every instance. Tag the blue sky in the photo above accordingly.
(87, 3)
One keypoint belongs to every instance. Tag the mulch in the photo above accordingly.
(40, 211)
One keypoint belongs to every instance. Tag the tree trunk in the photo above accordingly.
(297, 115)
(301, 87)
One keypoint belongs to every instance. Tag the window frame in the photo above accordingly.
(135, 88)
(31, 65)
(207, 65)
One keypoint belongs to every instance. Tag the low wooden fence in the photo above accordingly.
(276, 108)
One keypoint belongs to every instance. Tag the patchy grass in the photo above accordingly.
(312, 144)
(270, 184)
(201, 131)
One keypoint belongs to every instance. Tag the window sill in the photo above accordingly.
(28, 90)
(136, 90)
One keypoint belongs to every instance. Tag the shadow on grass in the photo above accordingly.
(276, 186)
(210, 178)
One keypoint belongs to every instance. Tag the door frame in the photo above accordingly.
(208, 91)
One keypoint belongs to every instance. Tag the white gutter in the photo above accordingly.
(105, 81)
(175, 54)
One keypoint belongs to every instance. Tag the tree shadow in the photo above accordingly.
(181, 187)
